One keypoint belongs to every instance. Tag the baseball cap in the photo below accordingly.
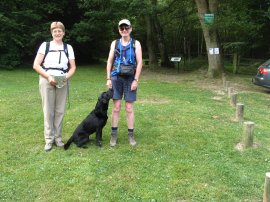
(124, 21)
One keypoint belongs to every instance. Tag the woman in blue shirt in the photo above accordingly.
(122, 52)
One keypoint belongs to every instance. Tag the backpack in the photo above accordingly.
(116, 70)
(47, 50)
(116, 45)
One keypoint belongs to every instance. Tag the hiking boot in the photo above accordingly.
(59, 143)
(113, 139)
(48, 147)
(131, 139)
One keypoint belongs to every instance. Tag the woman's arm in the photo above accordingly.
(37, 66)
(138, 49)
(72, 68)
(109, 64)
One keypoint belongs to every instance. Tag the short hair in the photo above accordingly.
(58, 24)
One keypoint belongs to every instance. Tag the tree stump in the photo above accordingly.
(247, 138)
(233, 99)
(266, 195)
(230, 91)
(239, 112)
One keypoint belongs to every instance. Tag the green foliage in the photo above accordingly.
(235, 47)
(91, 25)
(97, 28)
(181, 25)
(241, 21)
(10, 60)
(184, 129)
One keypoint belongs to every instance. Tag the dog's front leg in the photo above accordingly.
(99, 137)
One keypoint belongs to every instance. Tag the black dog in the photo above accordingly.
(94, 122)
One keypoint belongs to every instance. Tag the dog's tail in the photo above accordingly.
(66, 146)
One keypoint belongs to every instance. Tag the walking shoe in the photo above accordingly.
(113, 139)
(131, 139)
(48, 147)
(59, 143)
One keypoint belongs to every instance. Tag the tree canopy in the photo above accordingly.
(164, 27)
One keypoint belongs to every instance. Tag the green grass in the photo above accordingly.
(185, 137)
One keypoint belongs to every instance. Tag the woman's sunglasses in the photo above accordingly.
(124, 27)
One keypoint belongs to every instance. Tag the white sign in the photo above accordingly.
(176, 59)
(213, 51)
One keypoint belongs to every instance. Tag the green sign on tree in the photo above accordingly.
(208, 18)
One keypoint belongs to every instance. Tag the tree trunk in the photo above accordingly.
(150, 44)
(202, 40)
(235, 63)
(198, 44)
(165, 61)
(215, 61)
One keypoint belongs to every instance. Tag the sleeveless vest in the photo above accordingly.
(125, 54)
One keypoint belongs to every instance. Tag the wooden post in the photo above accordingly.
(239, 112)
(230, 91)
(233, 99)
(224, 79)
(247, 138)
(266, 195)
(227, 85)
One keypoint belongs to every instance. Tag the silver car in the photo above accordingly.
(263, 75)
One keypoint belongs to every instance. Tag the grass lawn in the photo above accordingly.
(185, 132)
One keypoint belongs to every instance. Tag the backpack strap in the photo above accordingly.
(133, 45)
(47, 48)
(46, 51)
(133, 41)
(66, 49)
(66, 52)
(115, 48)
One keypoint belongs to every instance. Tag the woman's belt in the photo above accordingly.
(53, 68)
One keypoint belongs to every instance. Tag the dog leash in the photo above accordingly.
(68, 94)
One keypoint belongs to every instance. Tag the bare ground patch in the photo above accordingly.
(198, 78)
(153, 101)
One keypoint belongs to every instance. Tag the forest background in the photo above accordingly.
(165, 28)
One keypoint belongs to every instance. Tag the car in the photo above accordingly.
(262, 77)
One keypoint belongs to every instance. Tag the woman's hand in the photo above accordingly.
(51, 81)
(109, 83)
(134, 85)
